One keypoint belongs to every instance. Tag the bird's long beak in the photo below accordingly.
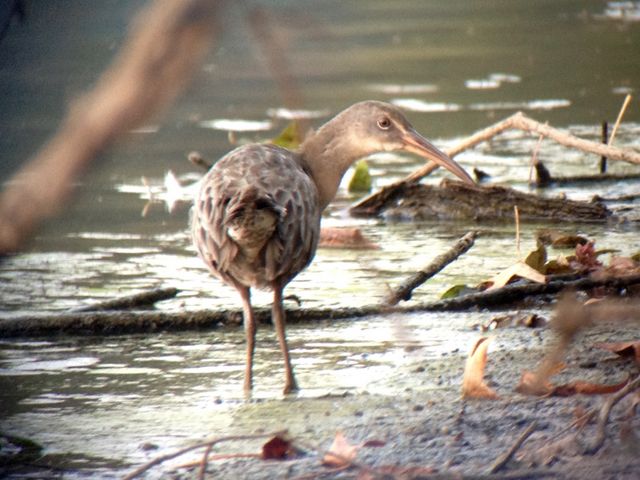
(416, 143)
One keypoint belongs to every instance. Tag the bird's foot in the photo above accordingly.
(290, 386)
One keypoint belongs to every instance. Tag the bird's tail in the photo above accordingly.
(251, 220)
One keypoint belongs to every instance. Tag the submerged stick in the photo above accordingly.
(404, 290)
(142, 299)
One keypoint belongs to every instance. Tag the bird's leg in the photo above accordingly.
(277, 314)
(250, 333)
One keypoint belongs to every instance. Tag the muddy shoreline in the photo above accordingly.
(433, 428)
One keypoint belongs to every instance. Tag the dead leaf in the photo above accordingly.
(345, 237)
(276, 448)
(586, 257)
(585, 388)
(341, 453)
(619, 266)
(473, 385)
(532, 384)
(560, 240)
(537, 258)
(518, 269)
(537, 383)
(624, 349)
(518, 319)
(557, 266)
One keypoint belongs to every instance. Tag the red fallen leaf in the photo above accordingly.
(276, 448)
(585, 388)
(532, 384)
(473, 385)
(341, 453)
(623, 349)
(333, 237)
(586, 256)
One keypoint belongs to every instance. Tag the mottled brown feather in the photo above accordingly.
(256, 219)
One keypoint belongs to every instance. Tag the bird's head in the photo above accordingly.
(380, 127)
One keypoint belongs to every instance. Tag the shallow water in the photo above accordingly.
(92, 402)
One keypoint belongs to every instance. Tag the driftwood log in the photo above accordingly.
(121, 322)
(458, 201)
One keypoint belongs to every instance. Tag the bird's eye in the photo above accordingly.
(384, 123)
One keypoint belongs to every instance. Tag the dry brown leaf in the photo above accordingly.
(623, 349)
(537, 383)
(533, 384)
(585, 388)
(345, 237)
(620, 266)
(473, 385)
(341, 453)
(518, 269)
(276, 448)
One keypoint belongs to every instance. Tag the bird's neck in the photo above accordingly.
(328, 153)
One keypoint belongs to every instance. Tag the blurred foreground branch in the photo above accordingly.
(166, 43)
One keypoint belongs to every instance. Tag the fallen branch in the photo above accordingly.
(403, 291)
(603, 417)
(204, 444)
(516, 292)
(137, 300)
(503, 459)
(114, 323)
(518, 121)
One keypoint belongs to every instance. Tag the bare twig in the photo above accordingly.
(516, 215)
(503, 459)
(206, 443)
(603, 417)
(403, 292)
(204, 462)
(623, 109)
(166, 43)
(534, 157)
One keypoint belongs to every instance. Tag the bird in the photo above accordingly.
(255, 221)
